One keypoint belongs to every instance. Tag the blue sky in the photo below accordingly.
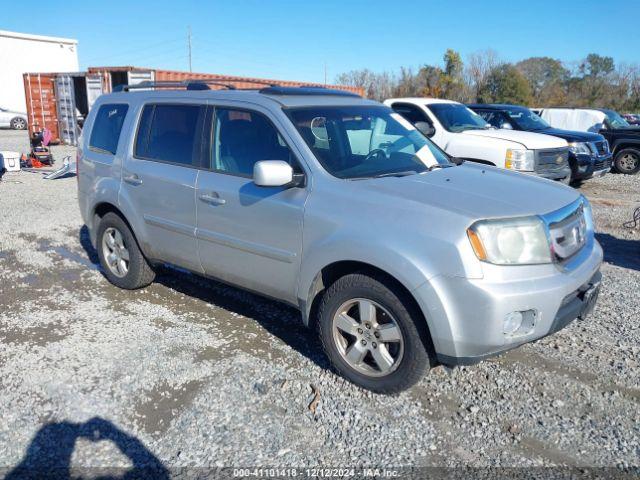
(287, 39)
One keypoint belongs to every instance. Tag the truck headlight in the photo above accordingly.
(520, 159)
(517, 241)
(580, 148)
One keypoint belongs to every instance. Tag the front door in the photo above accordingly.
(160, 179)
(248, 235)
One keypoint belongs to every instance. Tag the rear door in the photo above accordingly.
(94, 88)
(159, 177)
(249, 235)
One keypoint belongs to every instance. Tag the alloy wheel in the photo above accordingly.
(19, 124)
(628, 162)
(367, 337)
(115, 252)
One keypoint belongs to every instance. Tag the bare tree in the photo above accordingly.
(377, 86)
(479, 65)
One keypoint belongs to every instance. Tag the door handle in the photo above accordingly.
(132, 179)
(212, 199)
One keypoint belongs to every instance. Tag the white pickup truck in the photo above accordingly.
(464, 134)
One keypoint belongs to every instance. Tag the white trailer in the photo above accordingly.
(21, 53)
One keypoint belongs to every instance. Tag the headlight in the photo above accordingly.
(520, 159)
(580, 148)
(517, 241)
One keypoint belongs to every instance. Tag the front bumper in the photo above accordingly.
(588, 166)
(466, 316)
(562, 174)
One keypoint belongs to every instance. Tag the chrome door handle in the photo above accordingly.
(212, 199)
(132, 179)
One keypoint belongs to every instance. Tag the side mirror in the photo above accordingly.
(426, 129)
(506, 126)
(272, 173)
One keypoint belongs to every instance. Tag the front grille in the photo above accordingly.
(602, 164)
(569, 235)
(602, 148)
(551, 160)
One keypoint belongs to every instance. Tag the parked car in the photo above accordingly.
(464, 134)
(11, 119)
(589, 154)
(624, 139)
(399, 257)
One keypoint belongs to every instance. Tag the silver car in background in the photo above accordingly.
(400, 257)
(13, 120)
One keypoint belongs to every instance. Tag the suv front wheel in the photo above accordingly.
(122, 261)
(370, 336)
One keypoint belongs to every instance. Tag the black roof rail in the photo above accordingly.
(306, 90)
(189, 84)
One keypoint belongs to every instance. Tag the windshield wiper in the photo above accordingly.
(404, 173)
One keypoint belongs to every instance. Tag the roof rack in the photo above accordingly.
(190, 84)
(306, 90)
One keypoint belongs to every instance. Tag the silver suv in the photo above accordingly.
(400, 256)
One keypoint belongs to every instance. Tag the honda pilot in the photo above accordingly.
(399, 257)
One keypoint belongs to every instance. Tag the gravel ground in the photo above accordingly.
(192, 373)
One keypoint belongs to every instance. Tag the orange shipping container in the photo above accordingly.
(42, 112)
(113, 76)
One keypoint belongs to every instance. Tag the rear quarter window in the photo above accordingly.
(107, 126)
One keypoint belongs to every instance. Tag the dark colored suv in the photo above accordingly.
(589, 153)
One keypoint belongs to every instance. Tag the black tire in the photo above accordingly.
(415, 359)
(18, 123)
(621, 161)
(139, 274)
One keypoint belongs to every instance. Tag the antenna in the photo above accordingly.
(189, 44)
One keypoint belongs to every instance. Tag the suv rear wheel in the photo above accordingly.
(627, 161)
(370, 336)
(122, 261)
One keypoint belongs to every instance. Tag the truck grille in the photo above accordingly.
(603, 164)
(551, 160)
(569, 235)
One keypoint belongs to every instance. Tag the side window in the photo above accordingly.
(105, 133)
(242, 138)
(171, 133)
(411, 113)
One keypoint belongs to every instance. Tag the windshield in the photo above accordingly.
(457, 118)
(615, 120)
(525, 119)
(356, 142)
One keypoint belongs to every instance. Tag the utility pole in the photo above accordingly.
(189, 43)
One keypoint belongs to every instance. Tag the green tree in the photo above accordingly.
(451, 78)
(597, 66)
(547, 77)
(505, 84)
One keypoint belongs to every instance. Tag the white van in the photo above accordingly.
(464, 134)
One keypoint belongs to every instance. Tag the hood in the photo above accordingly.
(572, 135)
(529, 140)
(475, 191)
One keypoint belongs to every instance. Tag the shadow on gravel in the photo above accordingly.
(277, 318)
(49, 453)
(619, 251)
